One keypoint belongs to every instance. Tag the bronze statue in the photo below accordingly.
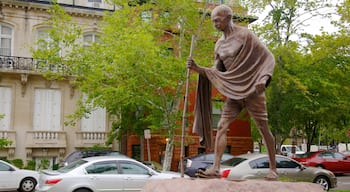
(242, 70)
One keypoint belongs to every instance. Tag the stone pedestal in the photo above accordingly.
(222, 185)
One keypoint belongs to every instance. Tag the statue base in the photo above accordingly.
(223, 185)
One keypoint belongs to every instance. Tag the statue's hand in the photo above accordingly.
(191, 64)
(260, 88)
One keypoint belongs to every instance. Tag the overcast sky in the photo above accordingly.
(314, 25)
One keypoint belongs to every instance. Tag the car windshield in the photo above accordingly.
(233, 161)
(71, 166)
(305, 155)
(289, 148)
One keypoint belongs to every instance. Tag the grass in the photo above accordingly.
(340, 190)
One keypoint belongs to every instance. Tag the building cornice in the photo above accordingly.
(42, 6)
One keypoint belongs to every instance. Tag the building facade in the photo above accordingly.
(34, 108)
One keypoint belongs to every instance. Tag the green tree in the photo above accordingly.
(131, 72)
(299, 95)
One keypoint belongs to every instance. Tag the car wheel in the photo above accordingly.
(27, 185)
(323, 181)
(82, 190)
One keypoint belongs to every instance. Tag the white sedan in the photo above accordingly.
(13, 178)
(102, 173)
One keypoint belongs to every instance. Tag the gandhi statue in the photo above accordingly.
(242, 70)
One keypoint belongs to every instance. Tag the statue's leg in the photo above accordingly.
(230, 110)
(256, 107)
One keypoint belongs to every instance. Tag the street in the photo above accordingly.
(343, 182)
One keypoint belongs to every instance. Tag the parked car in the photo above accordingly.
(201, 162)
(76, 155)
(336, 162)
(102, 173)
(346, 153)
(286, 150)
(256, 166)
(13, 178)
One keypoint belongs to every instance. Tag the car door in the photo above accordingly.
(104, 176)
(289, 169)
(134, 175)
(7, 177)
(328, 161)
(259, 168)
(343, 166)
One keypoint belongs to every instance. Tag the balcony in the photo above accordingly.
(46, 139)
(28, 65)
(89, 139)
(9, 135)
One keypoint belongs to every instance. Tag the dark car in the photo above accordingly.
(336, 162)
(76, 155)
(201, 162)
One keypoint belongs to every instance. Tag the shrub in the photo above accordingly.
(18, 163)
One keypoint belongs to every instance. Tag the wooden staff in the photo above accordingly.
(184, 119)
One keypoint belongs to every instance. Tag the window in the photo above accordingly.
(286, 163)
(132, 168)
(201, 150)
(89, 38)
(261, 163)
(47, 109)
(4, 167)
(135, 152)
(43, 38)
(5, 40)
(216, 112)
(5, 109)
(326, 155)
(105, 167)
(45, 42)
(95, 120)
(339, 156)
(146, 16)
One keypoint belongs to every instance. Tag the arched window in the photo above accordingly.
(89, 38)
(5, 40)
(45, 42)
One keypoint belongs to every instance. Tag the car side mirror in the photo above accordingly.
(150, 173)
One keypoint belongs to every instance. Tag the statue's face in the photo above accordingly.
(220, 20)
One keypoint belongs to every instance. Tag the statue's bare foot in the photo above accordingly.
(208, 173)
(272, 176)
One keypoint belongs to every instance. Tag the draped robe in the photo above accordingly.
(241, 61)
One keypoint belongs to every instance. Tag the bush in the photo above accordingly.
(18, 163)
(30, 165)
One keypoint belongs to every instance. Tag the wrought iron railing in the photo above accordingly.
(29, 64)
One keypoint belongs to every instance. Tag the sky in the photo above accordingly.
(314, 25)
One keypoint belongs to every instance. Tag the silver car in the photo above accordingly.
(102, 173)
(13, 178)
(256, 166)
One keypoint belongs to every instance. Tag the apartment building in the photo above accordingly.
(35, 108)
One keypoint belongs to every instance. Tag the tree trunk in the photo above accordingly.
(168, 156)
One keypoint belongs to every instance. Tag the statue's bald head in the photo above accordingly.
(223, 9)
